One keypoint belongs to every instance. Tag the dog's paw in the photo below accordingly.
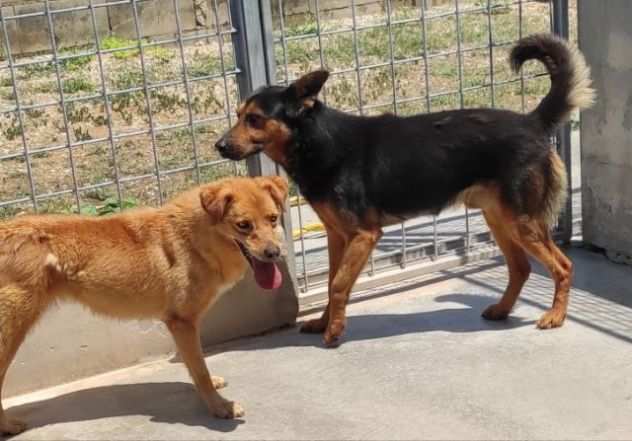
(11, 427)
(553, 318)
(227, 409)
(334, 332)
(314, 326)
(495, 312)
(218, 382)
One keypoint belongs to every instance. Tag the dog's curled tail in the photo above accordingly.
(570, 76)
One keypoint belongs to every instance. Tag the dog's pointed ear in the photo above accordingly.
(306, 88)
(277, 186)
(215, 200)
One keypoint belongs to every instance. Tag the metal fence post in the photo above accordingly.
(561, 28)
(254, 57)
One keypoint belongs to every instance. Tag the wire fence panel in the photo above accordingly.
(112, 117)
(392, 56)
(111, 104)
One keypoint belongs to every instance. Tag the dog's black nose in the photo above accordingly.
(221, 145)
(272, 252)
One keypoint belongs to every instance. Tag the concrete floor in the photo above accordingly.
(418, 364)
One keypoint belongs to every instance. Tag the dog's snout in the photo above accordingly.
(272, 252)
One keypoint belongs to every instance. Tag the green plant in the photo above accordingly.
(78, 84)
(75, 63)
(114, 42)
(113, 205)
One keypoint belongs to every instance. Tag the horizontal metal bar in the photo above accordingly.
(115, 137)
(418, 58)
(405, 21)
(127, 179)
(150, 86)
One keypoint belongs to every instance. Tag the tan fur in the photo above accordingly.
(169, 264)
(582, 94)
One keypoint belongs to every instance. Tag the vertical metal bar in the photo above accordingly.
(147, 99)
(53, 43)
(254, 57)
(249, 43)
(283, 41)
(522, 99)
(424, 33)
(491, 53)
(459, 52)
(302, 237)
(220, 42)
(187, 87)
(18, 106)
(320, 45)
(356, 57)
(425, 55)
(560, 27)
(106, 102)
(389, 26)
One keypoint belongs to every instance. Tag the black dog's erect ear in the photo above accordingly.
(305, 89)
(310, 84)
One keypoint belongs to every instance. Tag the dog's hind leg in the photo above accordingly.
(336, 245)
(353, 260)
(535, 238)
(187, 337)
(19, 309)
(517, 264)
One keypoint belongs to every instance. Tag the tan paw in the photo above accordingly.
(553, 318)
(227, 409)
(495, 312)
(218, 382)
(11, 426)
(314, 326)
(334, 333)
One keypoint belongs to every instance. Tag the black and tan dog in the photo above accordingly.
(362, 173)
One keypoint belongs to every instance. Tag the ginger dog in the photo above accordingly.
(169, 263)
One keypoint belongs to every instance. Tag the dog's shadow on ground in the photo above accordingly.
(170, 402)
(453, 318)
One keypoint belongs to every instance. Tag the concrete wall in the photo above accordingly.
(69, 342)
(605, 37)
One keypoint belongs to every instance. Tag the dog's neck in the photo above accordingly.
(320, 143)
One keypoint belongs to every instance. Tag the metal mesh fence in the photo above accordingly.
(127, 114)
(396, 57)
(120, 120)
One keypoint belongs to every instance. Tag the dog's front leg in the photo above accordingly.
(187, 337)
(353, 260)
(336, 245)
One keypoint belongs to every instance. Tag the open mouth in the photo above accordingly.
(267, 274)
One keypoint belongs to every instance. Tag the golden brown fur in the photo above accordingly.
(169, 264)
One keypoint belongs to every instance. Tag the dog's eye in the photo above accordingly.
(254, 120)
(244, 226)
(273, 218)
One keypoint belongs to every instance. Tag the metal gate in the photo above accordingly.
(125, 110)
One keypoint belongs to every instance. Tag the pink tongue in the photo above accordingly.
(267, 274)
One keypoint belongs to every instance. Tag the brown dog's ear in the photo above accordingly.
(215, 200)
(277, 186)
